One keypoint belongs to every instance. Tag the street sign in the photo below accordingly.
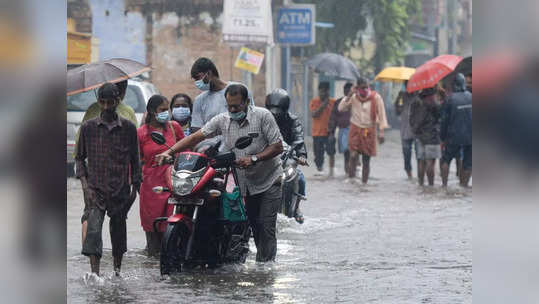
(249, 60)
(247, 22)
(296, 25)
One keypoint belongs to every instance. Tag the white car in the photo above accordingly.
(137, 95)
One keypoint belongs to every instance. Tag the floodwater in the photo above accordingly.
(390, 241)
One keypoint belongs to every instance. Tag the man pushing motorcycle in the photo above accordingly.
(260, 179)
(278, 103)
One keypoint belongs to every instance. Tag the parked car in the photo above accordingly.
(137, 95)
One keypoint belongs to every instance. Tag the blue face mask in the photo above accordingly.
(181, 113)
(162, 117)
(237, 116)
(201, 85)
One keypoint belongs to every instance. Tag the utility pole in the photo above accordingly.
(452, 24)
(287, 81)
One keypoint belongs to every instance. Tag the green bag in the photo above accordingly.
(232, 207)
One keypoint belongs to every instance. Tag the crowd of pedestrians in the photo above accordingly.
(115, 160)
(435, 123)
(438, 123)
(361, 118)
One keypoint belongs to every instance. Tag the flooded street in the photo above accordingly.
(390, 241)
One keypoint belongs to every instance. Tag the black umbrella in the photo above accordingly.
(465, 66)
(334, 65)
(93, 75)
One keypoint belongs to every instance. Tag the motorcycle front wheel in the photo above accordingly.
(173, 248)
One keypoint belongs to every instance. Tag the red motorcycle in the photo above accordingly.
(197, 234)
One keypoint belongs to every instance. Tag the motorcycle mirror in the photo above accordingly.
(213, 149)
(243, 142)
(158, 138)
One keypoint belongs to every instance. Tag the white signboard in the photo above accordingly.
(247, 21)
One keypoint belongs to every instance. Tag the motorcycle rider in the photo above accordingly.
(259, 177)
(278, 103)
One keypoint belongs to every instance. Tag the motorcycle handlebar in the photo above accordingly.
(297, 159)
(168, 161)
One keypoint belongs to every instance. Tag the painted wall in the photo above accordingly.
(120, 34)
(176, 41)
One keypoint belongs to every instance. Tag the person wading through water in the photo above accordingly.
(368, 115)
(154, 205)
(111, 178)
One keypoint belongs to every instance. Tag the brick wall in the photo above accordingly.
(176, 46)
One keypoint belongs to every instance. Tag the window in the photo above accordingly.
(81, 102)
(134, 99)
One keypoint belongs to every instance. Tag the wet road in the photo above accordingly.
(390, 241)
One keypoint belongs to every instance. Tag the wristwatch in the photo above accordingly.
(254, 159)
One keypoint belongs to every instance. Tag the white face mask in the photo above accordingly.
(201, 85)
(162, 117)
(181, 113)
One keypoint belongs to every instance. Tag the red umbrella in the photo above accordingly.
(431, 72)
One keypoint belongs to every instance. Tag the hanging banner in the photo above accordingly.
(247, 21)
(249, 60)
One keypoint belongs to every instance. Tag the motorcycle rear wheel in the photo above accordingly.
(173, 248)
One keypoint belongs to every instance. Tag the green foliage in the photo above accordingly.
(349, 19)
(390, 21)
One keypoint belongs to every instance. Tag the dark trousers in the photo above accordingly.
(463, 152)
(262, 212)
(407, 152)
(321, 146)
(93, 244)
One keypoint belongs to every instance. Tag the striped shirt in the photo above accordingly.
(111, 150)
(260, 124)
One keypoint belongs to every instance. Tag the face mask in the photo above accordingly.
(237, 116)
(162, 117)
(201, 85)
(109, 111)
(364, 93)
(181, 113)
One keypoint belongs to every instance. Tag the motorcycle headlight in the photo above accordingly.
(183, 182)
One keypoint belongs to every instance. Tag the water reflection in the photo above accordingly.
(381, 243)
(231, 283)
